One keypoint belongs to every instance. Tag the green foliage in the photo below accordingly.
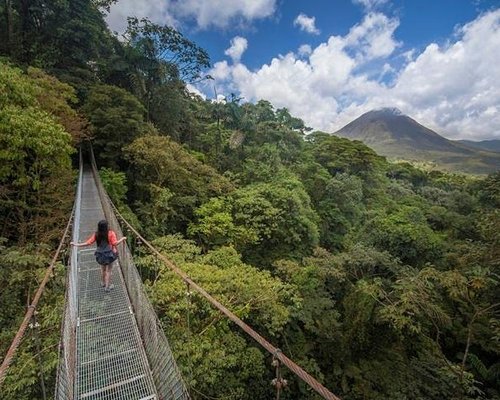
(160, 59)
(168, 51)
(489, 191)
(339, 208)
(339, 155)
(208, 347)
(406, 235)
(406, 172)
(21, 269)
(265, 221)
(34, 156)
(58, 98)
(115, 184)
(58, 35)
(37, 146)
(117, 118)
(40, 90)
(170, 183)
(16, 89)
(172, 111)
(216, 226)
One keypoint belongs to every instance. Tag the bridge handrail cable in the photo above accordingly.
(34, 303)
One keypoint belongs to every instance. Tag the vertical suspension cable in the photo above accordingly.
(34, 325)
(188, 321)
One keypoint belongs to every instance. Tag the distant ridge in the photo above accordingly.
(397, 136)
(488, 145)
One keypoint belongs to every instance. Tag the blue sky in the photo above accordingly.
(331, 61)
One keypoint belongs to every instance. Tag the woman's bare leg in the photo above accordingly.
(103, 275)
(107, 276)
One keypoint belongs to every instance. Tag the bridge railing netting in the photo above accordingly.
(65, 383)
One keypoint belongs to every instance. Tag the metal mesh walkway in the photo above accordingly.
(110, 360)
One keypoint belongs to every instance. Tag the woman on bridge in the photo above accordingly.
(106, 252)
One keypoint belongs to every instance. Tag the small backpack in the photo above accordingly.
(104, 254)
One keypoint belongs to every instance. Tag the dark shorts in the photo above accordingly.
(105, 257)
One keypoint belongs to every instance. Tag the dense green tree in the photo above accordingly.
(266, 221)
(489, 190)
(402, 302)
(174, 112)
(35, 158)
(339, 209)
(216, 226)
(116, 118)
(162, 59)
(68, 38)
(406, 235)
(343, 155)
(170, 183)
(177, 57)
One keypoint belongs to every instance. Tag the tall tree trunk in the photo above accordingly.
(10, 26)
(25, 30)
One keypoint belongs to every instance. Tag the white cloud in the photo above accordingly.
(370, 4)
(454, 89)
(157, 11)
(373, 38)
(221, 99)
(221, 71)
(206, 13)
(305, 50)
(195, 91)
(220, 13)
(307, 24)
(238, 46)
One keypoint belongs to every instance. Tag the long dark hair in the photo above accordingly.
(101, 236)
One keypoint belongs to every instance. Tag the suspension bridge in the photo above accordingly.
(112, 345)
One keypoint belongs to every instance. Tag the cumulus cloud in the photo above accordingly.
(452, 88)
(374, 37)
(238, 46)
(221, 71)
(195, 91)
(456, 88)
(305, 50)
(369, 4)
(156, 10)
(220, 13)
(206, 13)
(307, 24)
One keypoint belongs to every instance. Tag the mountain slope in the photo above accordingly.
(395, 135)
(486, 145)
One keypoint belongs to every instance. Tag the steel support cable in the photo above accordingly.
(312, 382)
(31, 308)
(34, 325)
